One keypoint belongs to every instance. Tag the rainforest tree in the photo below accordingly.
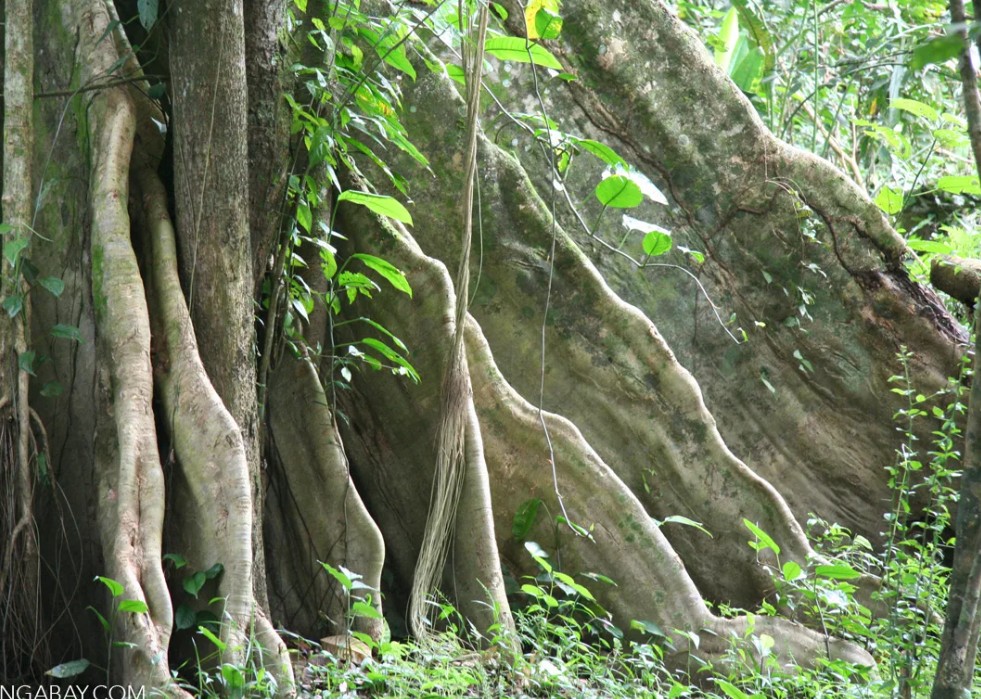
(194, 407)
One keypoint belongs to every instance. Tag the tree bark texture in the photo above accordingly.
(609, 393)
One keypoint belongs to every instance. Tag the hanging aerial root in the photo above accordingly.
(452, 434)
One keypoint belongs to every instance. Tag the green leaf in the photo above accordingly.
(889, 200)
(193, 583)
(392, 356)
(730, 690)
(52, 284)
(656, 243)
(52, 389)
(133, 606)
(729, 37)
(115, 588)
(148, 11)
(68, 332)
(185, 617)
(914, 107)
(837, 571)
(456, 73)
(960, 184)
(679, 519)
(512, 48)
(548, 24)
(524, 518)
(791, 571)
(13, 305)
(73, 668)
(13, 248)
(219, 644)
(340, 574)
(363, 609)
(304, 217)
(748, 69)
(234, 678)
(647, 627)
(763, 539)
(619, 192)
(938, 50)
(600, 150)
(214, 571)
(387, 270)
(380, 204)
(935, 247)
(178, 560)
(26, 362)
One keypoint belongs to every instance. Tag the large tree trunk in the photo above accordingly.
(595, 387)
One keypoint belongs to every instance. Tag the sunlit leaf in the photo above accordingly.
(379, 203)
(619, 192)
(512, 48)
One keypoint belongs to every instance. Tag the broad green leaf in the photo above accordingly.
(619, 192)
(748, 69)
(889, 200)
(68, 332)
(185, 617)
(837, 571)
(456, 73)
(363, 609)
(914, 107)
(938, 50)
(531, 15)
(13, 304)
(569, 582)
(730, 690)
(52, 389)
(13, 248)
(133, 606)
(791, 571)
(512, 48)
(193, 583)
(304, 217)
(600, 150)
(73, 668)
(729, 37)
(935, 247)
(656, 243)
(960, 184)
(392, 274)
(115, 588)
(340, 575)
(53, 285)
(764, 541)
(524, 518)
(648, 627)
(148, 12)
(214, 571)
(379, 203)
(234, 678)
(385, 331)
(548, 25)
(178, 560)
